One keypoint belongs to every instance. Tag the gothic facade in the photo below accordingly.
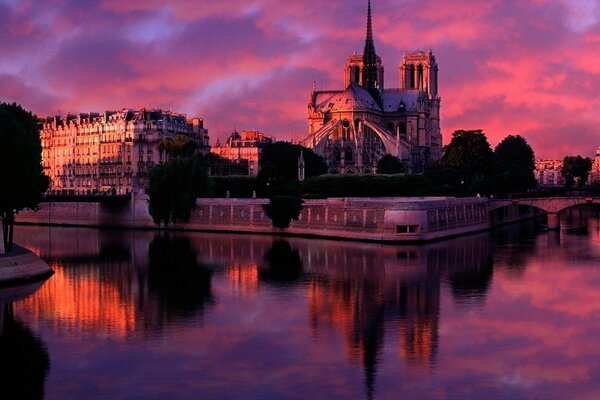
(355, 127)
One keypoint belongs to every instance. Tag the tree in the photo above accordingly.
(467, 161)
(576, 169)
(514, 165)
(389, 164)
(283, 209)
(279, 163)
(173, 188)
(22, 178)
(178, 146)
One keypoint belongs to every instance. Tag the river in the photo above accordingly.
(513, 313)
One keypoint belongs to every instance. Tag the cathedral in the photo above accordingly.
(355, 127)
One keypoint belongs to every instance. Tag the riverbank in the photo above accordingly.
(394, 219)
(22, 266)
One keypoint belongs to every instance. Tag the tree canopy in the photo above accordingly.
(279, 163)
(389, 164)
(576, 169)
(22, 178)
(178, 146)
(174, 186)
(514, 165)
(467, 161)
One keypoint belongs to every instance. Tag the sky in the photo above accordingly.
(528, 67)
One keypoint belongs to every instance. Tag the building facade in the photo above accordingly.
(353, 128)
(110, 152)
(595, 173)
(242, 149)
(548, 173)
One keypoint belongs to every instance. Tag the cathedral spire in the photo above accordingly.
(369, 56)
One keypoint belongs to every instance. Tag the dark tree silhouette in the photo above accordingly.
(390, 164)
(576, 169)
(467, 162)
(514, 164)
(279, 163)
(22, 178)
(173, 188)
(283, 209)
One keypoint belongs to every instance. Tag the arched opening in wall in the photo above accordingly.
(411, 76)
(357, 123)
(337, 154)
(420, 76)
(355, 75)
(345, 129)
(581, 219)
(350, 172)
(367, 171)
(349, 154)
(402, 130)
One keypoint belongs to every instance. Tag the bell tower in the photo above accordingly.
(365, 69)
(419, 71)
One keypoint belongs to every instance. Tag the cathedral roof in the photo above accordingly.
(392, 98)
(355, 98)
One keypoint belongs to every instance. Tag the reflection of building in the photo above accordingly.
(110, 152)
(353, 128)
(105, 284)
(242, 149)
(244, 277)
(595, 173)
(548, 173)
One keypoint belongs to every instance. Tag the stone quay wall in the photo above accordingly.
(376, 219)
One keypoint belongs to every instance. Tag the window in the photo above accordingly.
(404, 229)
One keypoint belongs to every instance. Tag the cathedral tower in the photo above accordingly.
(419, 71)
(365, 69)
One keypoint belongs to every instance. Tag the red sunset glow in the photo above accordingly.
(527, 67)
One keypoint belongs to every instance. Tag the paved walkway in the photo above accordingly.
(21, 265)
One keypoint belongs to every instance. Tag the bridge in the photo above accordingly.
(549, 205)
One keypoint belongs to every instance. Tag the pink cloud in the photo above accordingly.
(527, 67)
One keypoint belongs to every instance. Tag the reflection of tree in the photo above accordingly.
(183, 287)
(24, 361)
(283, 264)
(471, 284)
(516, 243)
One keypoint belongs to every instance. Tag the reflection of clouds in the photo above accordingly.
(384, 317)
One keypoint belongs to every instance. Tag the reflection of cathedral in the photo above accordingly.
(355, 127)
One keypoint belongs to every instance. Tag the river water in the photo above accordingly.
(514, 313)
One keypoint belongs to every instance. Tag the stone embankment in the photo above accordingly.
(372, 219)
(21, 266)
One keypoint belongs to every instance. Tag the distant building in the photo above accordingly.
(595, 173)
(548, 173)
(355, 127)
(242, 149)
(110, 152)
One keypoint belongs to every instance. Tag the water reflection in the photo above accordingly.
(24, 360)
(182, 287)
(262, 317)
(283, 264)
